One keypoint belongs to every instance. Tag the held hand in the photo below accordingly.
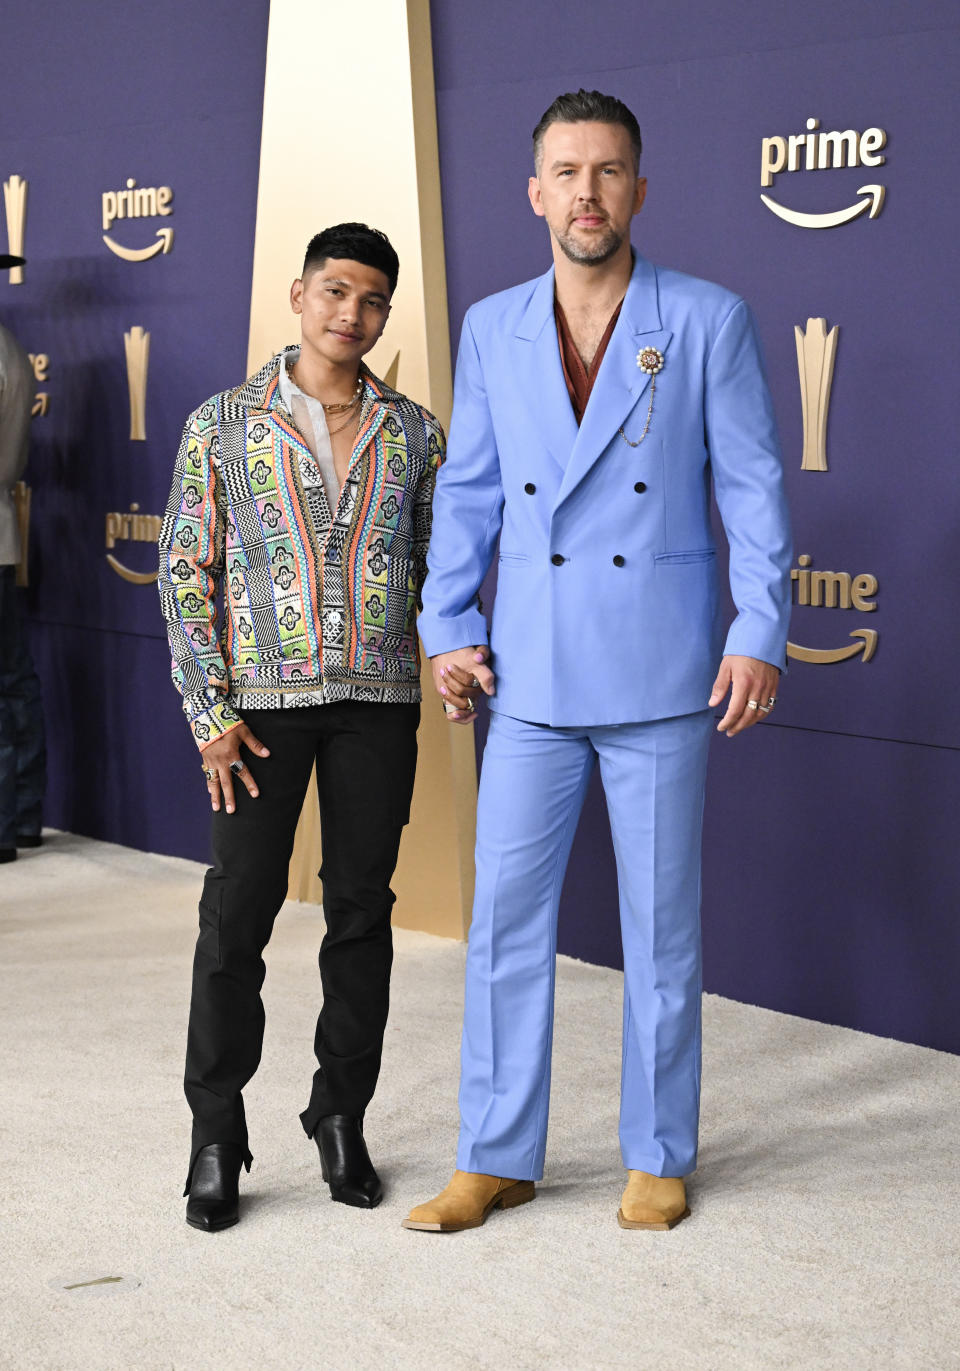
(753, 689)
(460, 677)
(221, 761)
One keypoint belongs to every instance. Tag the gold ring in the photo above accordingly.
(210, 774)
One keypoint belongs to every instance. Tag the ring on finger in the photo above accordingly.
(753, 704)
(771, 701)
(765, 709)
(237, 766)
(209, 772)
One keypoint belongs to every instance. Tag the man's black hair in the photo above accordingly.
(356, 243)
(587, 107)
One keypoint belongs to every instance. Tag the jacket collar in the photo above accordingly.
(641, 304)
(620, 386)
(619, 383)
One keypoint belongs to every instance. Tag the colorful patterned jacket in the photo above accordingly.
(313, 606)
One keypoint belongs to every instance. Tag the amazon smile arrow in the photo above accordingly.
(874, 202)
(822, 656)
(138, 578)
(163, 246)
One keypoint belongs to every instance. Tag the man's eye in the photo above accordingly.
(334, 290)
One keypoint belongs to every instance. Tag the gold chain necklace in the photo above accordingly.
(349, 419)
(340, 406)
(346, 404)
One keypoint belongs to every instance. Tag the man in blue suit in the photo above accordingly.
(592, 408)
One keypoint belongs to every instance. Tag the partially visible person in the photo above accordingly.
(22, 743)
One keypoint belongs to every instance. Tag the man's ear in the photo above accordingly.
(641, 194)
(533, 192)
(296, 296)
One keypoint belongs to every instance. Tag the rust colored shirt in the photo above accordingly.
(579, 380)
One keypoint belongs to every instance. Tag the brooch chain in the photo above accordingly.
(650, 361)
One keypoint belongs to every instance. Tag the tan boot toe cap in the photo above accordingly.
(466, 1202)
(654, 1202)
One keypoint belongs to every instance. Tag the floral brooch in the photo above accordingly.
(650, 361)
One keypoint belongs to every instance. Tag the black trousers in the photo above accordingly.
(366, 757)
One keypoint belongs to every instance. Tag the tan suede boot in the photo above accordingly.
(657, 1202)
(467, 1201)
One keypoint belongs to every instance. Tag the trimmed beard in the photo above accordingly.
(593, 255)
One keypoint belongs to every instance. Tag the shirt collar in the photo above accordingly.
(266, 387)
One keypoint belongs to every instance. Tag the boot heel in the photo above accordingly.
(522, 1193)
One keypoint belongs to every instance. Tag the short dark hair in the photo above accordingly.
(357, 243)
(587, 107)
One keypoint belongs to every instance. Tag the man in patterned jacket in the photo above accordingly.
(292, 556)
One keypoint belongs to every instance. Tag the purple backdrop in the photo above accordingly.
(169, 95)
(831, 872)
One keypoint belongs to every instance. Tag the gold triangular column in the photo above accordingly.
(360, 142)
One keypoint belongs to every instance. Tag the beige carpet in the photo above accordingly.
(826, 1213)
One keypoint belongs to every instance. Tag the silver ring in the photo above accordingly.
(753, 704)
(475, 684)
(236, 767)
(765, 709)
(771, 700)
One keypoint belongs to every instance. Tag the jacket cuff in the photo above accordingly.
(446, 635)
(210, 716)
(765, 647)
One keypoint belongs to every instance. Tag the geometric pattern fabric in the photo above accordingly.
(271, 599)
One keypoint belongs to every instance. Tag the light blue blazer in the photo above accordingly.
(606, 608)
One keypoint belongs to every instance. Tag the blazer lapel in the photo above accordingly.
(541, 373)
(620, 385)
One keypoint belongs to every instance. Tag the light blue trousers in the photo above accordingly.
(531, 792)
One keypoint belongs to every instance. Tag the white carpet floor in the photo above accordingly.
(826, 1221)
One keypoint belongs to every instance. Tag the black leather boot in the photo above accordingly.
(345, 1163)
(214, 1187)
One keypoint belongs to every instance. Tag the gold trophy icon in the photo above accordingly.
(816, 355)
(137, 345)
(15, 204)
